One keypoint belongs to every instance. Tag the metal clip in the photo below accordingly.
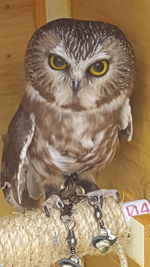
(104, 241)
(72, 261)
(69, 196)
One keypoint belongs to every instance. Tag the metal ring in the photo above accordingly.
(93, 200)
(68, 222)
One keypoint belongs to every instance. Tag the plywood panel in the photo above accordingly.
(17, 23)
(131, 167)
(58, 9)
(109, 260)
(40, 12)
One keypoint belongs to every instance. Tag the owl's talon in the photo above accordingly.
(53, 201)
(103, 193)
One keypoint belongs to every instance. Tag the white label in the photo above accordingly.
(136, 207)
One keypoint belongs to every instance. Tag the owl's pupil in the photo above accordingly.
(98, 66)
(58, 61)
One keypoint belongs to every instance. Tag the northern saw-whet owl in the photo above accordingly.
(80, 76)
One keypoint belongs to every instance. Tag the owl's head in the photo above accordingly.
(79, 64)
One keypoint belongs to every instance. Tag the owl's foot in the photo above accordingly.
(103, 193)
(53, 201)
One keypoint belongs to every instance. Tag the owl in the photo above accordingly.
(79, 79)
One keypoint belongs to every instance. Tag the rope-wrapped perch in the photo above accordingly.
(32, 239)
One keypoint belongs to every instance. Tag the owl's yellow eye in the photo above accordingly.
(99, 68)
(57, 62)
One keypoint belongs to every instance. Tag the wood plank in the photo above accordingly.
(40, 13)
(17, 23)
(15, 33)
(109, 260)
(58, 9)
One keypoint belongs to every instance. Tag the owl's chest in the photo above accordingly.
(76, 133)
(74, 143)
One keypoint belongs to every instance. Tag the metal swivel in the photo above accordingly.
(104, 241)
(72, 261)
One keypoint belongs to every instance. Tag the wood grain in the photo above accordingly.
(131, 168)
(109, 260)
(40, 13)
(17, 23)
(58, 9)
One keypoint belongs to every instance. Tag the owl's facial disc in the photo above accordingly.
(80, 64)
(96, 69)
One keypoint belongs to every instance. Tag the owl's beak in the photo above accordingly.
(75, 86)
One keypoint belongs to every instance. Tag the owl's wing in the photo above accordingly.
(126, 120)
(14, 157)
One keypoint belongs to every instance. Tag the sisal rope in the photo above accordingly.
(32, 239)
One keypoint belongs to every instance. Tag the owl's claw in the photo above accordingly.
(103, 193)
(53, 201)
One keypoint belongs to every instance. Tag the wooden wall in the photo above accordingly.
(131, 168)
(17, 23)
(58, 9)
(19, 18)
